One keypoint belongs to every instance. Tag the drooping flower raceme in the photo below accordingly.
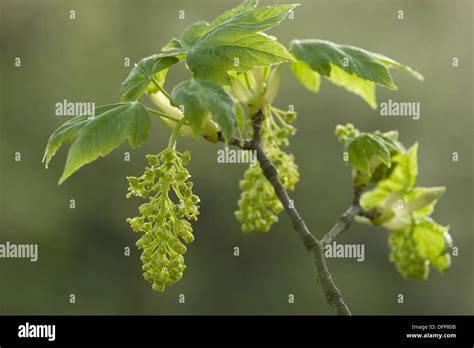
(258, 203)
(165, 224)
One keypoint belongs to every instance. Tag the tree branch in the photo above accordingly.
(345, 220)
(234, 141)
(331, 292)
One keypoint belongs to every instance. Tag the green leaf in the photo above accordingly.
(196, 30)
(390, 139)
(402, 178)
(308, 77)
(354, 84)
(253, 20)
(431, 241)
(405, 257)
(353, 68)
(200, 96)
(373, 198)
(366, 152)
(173, 44)
(243, 7)
(194, 33)
(320, 55)
(421, 201)
(380, 172)
(238, 44)
(99, 135)
(65, 133)
(212, 63)
(143, 73)
(405, 171)
(390, 63)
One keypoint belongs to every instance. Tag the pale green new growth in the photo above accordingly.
(395, 203)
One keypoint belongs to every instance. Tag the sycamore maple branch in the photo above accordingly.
(346, 219)
(316, 247)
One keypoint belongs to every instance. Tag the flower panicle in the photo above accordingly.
(165, 218)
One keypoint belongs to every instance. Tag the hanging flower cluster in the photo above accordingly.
(165, 224)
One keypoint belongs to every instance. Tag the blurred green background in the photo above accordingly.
(81, 251)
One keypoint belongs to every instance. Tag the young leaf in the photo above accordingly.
(320, 54)
(193, 33)
(243, 7)
(65, 133)
(401, 180)
(240, 53)
(422, 200)
(143, 73)
(196, 30)
(199, 97)
(390, 63)
(308, 77)
(366, 148)
(391, 141)
(173, 44)
(353, 68)
(431, 243)
(354, 84)
(254, 20)
(404, 174)
(99, 135)
(395, 197)
(238, 44)
(375, 198)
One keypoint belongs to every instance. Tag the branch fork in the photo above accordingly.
(332, 294)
